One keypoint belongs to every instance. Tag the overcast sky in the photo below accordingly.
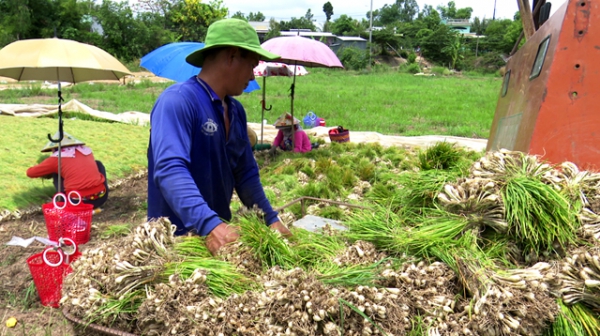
(285, 9)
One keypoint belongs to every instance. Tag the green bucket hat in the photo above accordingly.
(67, 141)
(230, 33)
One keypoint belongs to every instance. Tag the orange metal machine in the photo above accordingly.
(549, 103)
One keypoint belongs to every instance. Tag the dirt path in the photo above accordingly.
(126, 205)
(9, 83)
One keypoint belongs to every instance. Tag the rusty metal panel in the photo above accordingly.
(525, 92)
(508, 129)
(568, 126)
(555, 114)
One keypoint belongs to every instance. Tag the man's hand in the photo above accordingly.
(281, 228)
(221, 235)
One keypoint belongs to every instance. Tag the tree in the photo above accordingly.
(433, 41)
(479, 26)
(429, 17)
(297, 23)
(495, 37)
(400, 11)
(451, 12)
(260, 17)
(345, 25)
(512, 33)
(454, 50)
(274, 29)
(448, 12)
(70, 22)
(464, 13)
(385, 38)
(408, 9)
(120, 29)
(239, 15)
(388, 14)
(328, 10)
(15, 19)
(160, 7)
(309, 15)
(192, 18)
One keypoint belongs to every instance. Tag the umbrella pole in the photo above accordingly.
(60, 135)
(292, 108)
(262, 118)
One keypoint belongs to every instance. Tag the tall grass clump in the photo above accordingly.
(349, 276)
(312, 248)
(574, 320)
(442, 71)
(353, 58)
(539, 217)
(442, 155)
(266, 244)
(222, 278)
(419, 189)
(413, 68)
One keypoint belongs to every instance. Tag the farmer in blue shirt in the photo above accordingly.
(199, 150)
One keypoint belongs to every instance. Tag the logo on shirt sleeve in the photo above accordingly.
(210, 127)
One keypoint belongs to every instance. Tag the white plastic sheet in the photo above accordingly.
(18, 241)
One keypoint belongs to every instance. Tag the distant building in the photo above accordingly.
(325, 37)
(348, 41)
(463, 26)
(262, 28)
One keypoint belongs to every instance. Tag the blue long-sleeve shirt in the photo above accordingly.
(192, 167)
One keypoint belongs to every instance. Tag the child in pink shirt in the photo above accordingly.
(283, 140)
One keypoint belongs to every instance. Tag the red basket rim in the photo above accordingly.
(82, 206)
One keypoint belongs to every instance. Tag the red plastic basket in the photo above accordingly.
(47, 279)
(68, 221)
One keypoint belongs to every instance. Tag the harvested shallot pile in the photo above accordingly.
(504, 245)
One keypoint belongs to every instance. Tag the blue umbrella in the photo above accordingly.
(169, 62)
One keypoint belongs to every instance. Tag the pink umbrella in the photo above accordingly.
(303, 51)
(268, 69)
(299, 50)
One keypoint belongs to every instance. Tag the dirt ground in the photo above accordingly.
(126, 205)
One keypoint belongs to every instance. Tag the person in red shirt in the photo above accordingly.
(283, 140)
(79, 170)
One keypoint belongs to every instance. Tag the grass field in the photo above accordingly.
(389, 103)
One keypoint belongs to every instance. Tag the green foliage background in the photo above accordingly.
(131, 31)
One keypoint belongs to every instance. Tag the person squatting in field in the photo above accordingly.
(79, 170)
(283, 140)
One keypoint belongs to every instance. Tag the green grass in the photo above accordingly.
(116, 230)
(23, 299)
(122, 149)
(388, 103)
(101, 96)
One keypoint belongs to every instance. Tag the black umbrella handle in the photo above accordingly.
(292, 90)
(264, 106)
(61, 133)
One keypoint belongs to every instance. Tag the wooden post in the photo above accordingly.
(526, 18)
